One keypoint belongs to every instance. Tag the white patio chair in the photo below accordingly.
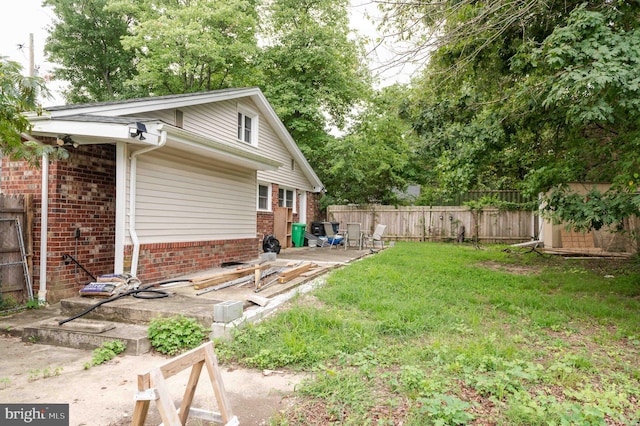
(376, 237)
(353, 236)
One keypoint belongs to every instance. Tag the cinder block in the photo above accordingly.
(227, 311)
(268, 257)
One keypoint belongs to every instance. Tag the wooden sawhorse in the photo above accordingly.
(152, 387)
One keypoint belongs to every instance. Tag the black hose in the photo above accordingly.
(178, 280)
(157, 294)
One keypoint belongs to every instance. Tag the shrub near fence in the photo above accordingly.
(440, 223)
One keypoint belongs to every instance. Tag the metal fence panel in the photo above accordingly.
(13, 282)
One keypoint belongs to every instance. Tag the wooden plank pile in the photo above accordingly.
(259, 275)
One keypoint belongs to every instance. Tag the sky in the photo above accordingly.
(25, 17)
(17, 21)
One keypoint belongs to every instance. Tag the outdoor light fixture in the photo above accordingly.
(66, 141)
(138, 130)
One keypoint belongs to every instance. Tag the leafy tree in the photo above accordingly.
(595, 210)
(594, 62)
(372, 162)
(18, 94)
(422, 27)
(314, 71)
(85, 42)
(191, 46)
(466, 144)
(528, 94)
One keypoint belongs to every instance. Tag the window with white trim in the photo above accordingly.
(286, 198)
(247, 125)
(264, 197)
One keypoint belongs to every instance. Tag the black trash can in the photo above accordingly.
(317, 228)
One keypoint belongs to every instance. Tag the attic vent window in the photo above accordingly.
(247, 126)
(179, 119)
(244, 128)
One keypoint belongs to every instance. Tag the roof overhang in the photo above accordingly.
(91, 129)
(137, 107)
(86, 130)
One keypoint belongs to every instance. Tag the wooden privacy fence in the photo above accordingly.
(16, 220)
(440, 223)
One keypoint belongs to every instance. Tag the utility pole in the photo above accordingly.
(32, 65)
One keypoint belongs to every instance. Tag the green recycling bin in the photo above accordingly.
(297, 234)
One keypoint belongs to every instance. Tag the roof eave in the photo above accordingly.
(97, 132)
(140, 106)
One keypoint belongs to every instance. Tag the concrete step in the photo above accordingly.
(132, 310)
(87, 334)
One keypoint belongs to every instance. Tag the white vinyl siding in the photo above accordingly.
(219, 121)
(181, 199)
(272, 147)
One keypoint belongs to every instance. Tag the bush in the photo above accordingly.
(106, 352)
(170, 336)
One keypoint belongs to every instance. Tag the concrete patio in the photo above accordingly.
(127, 317)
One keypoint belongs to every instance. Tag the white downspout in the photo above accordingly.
(44, 220)
(132, 200)
(44, 225)
(121, 206)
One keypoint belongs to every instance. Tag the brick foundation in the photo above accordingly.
(159, 262)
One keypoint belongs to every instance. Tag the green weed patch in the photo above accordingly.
(448, 334)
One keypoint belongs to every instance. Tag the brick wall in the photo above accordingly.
(265, 219)
(163, 261)
(81, 199)
(82, 205)
(313, 209)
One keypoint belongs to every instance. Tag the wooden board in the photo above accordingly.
(222, 277)
(295, 272)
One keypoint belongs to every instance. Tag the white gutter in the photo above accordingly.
(132, 200)
(44, 225)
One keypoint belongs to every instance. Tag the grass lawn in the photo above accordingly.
(446, 334)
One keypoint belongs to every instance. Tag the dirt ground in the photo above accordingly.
(103, 395)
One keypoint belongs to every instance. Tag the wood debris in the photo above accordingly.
(292, 273)
(222, 277)
(256, 274)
